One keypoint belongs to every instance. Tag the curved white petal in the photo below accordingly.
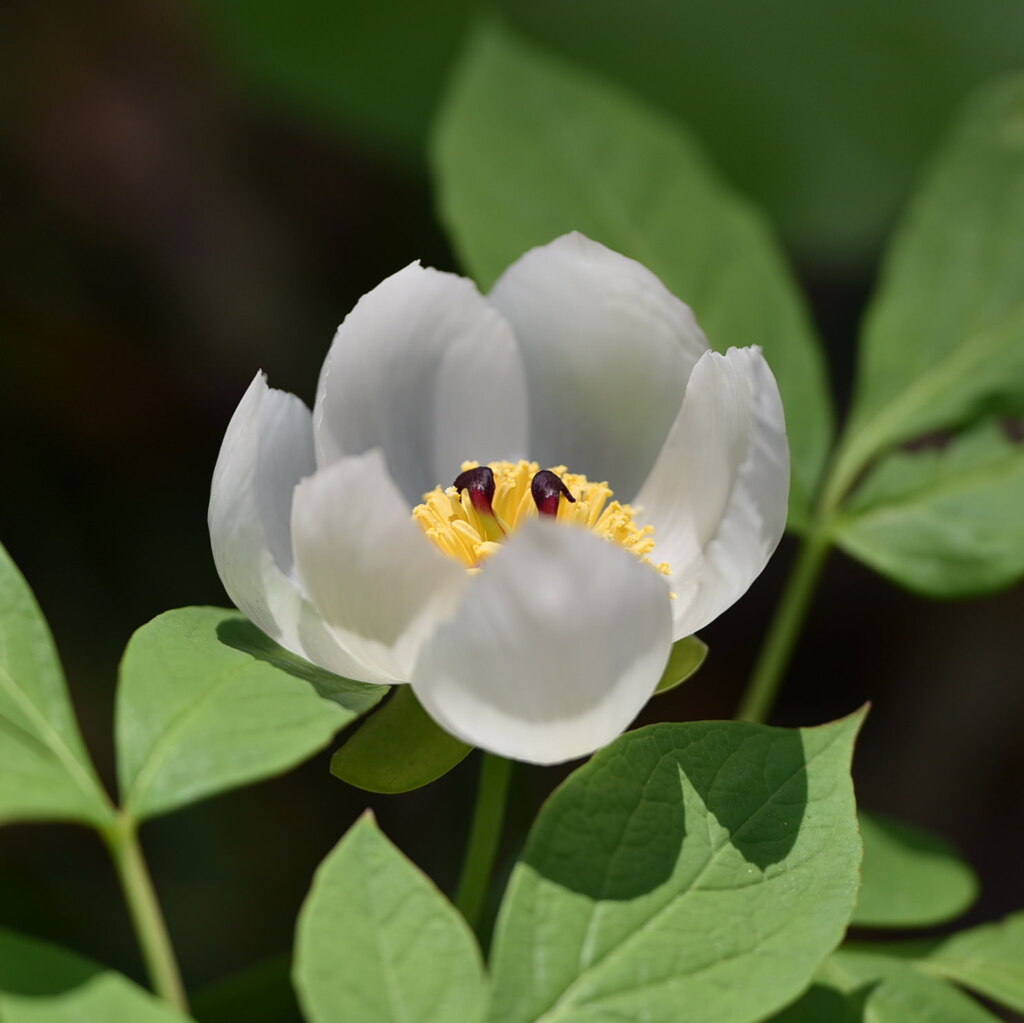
(426, 371)
(555, 647)
(367, 568)
(607, 351)
(718, 494)
(268, 447)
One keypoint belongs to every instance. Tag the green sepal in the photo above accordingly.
(687, 656)
(398, 748)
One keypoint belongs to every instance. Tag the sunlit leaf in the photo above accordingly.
(41, 983)
(710, 866)
(528, 148)
(45, 771)
(892, 990)
(988, 959)
(943, 522)
(865, 988)
(377, 941)
(207, 703)
(909, 877)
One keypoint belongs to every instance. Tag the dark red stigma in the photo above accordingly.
(547, 487)
(480, 484)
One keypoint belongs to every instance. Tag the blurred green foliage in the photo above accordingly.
(180, 209)
(821, 110)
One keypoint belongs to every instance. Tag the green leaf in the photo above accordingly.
(687, 656)
(788, 99)
(989, 960)
(260, 993)
(823, 1002)
(944, 338)
(373, 70)
(528, 148)
(45, 771)
(398, 748)
(207, 703)
(943, 523)
(377, 941)
(888, 990)
(709, 865)
(909, 878)
(41, 983)
(805, 105)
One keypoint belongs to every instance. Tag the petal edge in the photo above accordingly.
(718, 493)
(555, 647)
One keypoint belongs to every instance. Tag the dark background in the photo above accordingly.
(192, 192)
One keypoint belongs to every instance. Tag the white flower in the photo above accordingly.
(580, 358)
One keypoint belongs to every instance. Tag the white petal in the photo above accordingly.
(367, 567)
(718, 494)
(285, 457)
(554, 649)
(607, 350)
(267, 448)
(426, 371)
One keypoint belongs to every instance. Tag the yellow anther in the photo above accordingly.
(461, 530)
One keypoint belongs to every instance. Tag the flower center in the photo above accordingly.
(470, 519)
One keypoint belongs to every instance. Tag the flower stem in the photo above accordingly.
(484, 834)
(123, 842)
(777, 649)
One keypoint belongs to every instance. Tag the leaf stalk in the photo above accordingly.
(122, 841)
(484, 837)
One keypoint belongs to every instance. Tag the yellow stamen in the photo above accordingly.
(469, 535)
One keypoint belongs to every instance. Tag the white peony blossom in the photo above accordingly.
(533, 624)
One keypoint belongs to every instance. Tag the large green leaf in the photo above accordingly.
(528, 148)
(398, 748)
(946, 522)
(859, 987)
(41, 983)
(699, 871)
(989, 959)
(909, 878)
(45, 771)
(944, 338)
(206, 703)
(377, 941)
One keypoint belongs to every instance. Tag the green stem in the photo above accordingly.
(123, 842)
(773, 660)
(484, 834)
